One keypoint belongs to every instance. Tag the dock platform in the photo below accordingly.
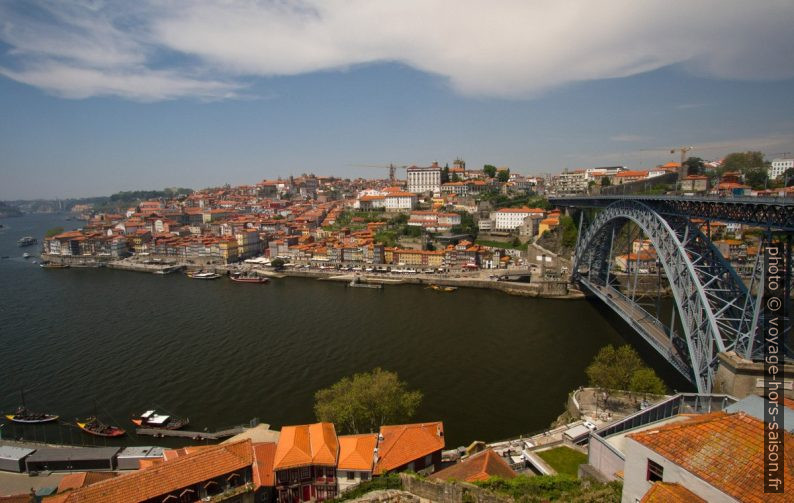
(195, 435)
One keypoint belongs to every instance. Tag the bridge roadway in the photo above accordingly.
(642, 321)
(775, 213)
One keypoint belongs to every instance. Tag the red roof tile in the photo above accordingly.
(357, 452)
(725, 450)
(405, 443)
(664, 492)
(264, 455)
(168, 476)
(308, 444)
(480, 466)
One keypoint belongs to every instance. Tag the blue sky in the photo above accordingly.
(98, 97)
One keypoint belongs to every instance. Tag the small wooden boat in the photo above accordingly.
(52, 265)
(150, 419)
(24, 416)
(239, 278)
(440, 288)
(96, 427)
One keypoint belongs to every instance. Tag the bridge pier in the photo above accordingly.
(741, 377)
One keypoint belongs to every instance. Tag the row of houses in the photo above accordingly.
(302, 463)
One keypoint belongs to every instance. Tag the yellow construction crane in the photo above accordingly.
(682, 171)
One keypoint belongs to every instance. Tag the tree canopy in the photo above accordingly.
(366, 401)
(489, 170)
(742, 161)
(694, 166)
(503, 175)
(756, 177)
(622, 369)
(53, 232)
(645, 381)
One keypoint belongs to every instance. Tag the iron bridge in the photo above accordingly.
(716, 310)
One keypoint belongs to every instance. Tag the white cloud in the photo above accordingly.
(510, 48)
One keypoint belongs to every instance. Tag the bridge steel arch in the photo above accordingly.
(717, 311)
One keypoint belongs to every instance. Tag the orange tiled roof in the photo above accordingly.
(404, 443)
(308, 444)
(168, 476)
(480, 466)
(264, 455)
(725, 450)
(665, 492)
(81, 479)
(357, 452)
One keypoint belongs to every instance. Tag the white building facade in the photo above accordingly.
(778, 167)
(508, 219)
(422, 180)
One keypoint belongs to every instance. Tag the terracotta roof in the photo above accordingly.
(404, 443)
(665, 492)
(725, 450)
(264, 455)
(82, 479)
(357, 452)
(480, 466)
(308, 444)
(168, 476)
(18, 498)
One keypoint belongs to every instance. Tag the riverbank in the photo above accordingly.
(539, 288)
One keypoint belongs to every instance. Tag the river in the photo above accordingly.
(490, 365)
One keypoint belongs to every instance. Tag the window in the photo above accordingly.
(351, 475)
(655, 471)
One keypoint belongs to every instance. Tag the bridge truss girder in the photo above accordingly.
(716, 310)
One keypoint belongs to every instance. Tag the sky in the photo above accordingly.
(102, 96)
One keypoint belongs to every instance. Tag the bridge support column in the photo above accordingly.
(741, 377)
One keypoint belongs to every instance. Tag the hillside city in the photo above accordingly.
(444, 224)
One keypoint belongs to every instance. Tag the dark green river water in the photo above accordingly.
(490, 365)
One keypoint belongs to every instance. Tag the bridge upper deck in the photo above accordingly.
(775, 213)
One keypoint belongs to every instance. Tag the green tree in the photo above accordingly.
(569, 231)
(613, 368)
(445, 174)
(366, 401)
(455, 177)
(756, 177)
(277, 263)
(489, 170)
(788, 177)
(53, 232)
(694, 166)
(605, 181)
(646, 381)
(503, 175)
(742, 161)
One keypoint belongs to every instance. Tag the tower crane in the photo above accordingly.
(391, 167)
(682, 170)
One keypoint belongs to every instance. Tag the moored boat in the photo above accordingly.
(52, 265)
(440, 288)
(27, 241)
(150, 419)
(25, 416)
(203, 275)
(248, 279)
(26, 255)
(96, 427)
